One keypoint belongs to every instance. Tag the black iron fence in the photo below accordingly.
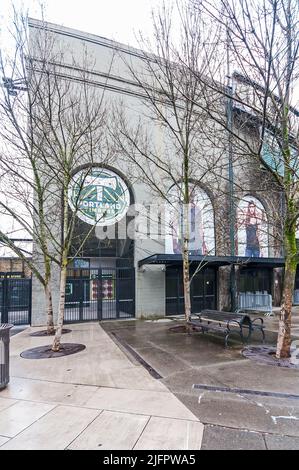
(91, 294)
(100, 294)
(15, 300)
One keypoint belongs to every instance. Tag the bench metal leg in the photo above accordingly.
(247, 338)
(249, 334)
(241, 335)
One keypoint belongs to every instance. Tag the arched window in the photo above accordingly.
(201, 222)
(252, 237)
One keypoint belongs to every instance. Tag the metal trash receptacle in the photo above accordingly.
(4, 354)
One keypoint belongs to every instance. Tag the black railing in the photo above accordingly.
(15, 300)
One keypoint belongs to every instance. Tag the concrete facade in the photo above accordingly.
(110, 72)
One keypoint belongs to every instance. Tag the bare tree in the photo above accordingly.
(23, 185)
(262, 41)
(54, 128)
(169, 146)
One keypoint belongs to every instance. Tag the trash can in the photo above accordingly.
(4, 354)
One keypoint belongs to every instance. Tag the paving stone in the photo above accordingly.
(170, 434)
(220, 438)
(45, 391)
(111, 430)
(56, 430)
(5, 402)
(282, 442)
(163, 404)
(21, 415)
(3, 440)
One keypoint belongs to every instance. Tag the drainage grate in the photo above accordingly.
(245, 391)
(138, 358)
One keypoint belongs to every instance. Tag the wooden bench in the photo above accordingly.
(227, 323)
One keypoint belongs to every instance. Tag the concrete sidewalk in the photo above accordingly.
(95, 399)
(232, 420)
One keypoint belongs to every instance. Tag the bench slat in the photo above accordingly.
(227, 323)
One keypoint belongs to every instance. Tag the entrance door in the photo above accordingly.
(202, 290)
(100, 294)
(174, 292)
(256, 280)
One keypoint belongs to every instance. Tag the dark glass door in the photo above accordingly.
(255, 280)
(174, 292)
(203, 290)
(209, 281)
(198, 292)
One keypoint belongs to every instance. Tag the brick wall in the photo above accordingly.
(8, 265)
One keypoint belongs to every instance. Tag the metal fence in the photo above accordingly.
(100, 294)
(259, 301)
(15, 301)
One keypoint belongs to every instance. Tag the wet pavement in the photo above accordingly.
(232, 420)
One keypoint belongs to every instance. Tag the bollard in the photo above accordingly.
(4, 354)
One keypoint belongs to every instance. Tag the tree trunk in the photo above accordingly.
(186, 282)
(50, 319)
(186, 264)
(285, 321)
(57, 339)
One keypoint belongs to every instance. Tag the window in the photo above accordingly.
(252, 238)
(201, 222)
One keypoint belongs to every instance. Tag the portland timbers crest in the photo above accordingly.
(99, 196)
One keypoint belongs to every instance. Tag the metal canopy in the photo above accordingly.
(176, 260)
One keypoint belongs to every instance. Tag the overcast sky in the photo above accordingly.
(115, 19)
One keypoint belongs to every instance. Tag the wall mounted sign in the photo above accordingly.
(68, 288)
(99, 196)
(80, 263)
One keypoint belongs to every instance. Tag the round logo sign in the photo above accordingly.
(99, 196)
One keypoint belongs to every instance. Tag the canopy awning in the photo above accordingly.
(176, 260)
